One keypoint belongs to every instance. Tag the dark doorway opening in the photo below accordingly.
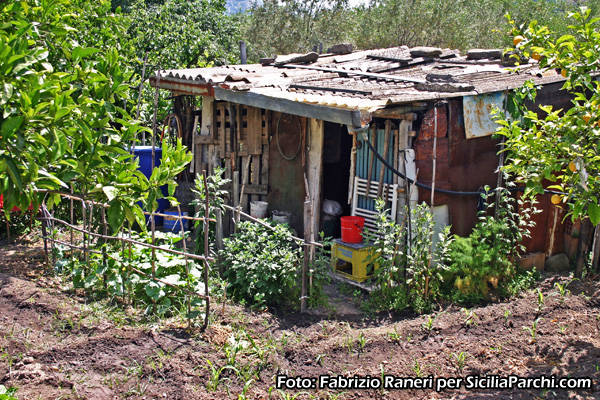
(337, 148)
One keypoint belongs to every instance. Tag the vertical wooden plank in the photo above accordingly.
(315, 170)
(264, 168)
(265, 126)
(255, 173)
(236, 194)
(254, 131)
(245, 163)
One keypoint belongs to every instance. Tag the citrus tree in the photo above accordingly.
(561, 146)
(65, 102)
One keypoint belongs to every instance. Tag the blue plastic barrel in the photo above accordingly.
(144, 155)
(172, 224)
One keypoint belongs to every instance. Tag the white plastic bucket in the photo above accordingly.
(282, 217)
(258, 209)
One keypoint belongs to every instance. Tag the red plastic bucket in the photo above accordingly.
(352, 228)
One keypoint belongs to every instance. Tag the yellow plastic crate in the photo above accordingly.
(351, 257)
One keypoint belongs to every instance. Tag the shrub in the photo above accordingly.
(261, 264)
(484, 262)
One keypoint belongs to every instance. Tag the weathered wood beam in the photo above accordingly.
(355, 118)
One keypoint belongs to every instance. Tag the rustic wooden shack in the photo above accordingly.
(292, 130)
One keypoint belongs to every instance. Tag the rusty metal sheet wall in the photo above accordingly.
(478, 113)
(468, 165)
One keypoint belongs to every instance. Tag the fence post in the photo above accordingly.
(307, 240)
(206, 249)
(219, 239)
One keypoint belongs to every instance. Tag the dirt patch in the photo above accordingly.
(54, 343)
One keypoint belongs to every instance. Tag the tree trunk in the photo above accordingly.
(582, 247)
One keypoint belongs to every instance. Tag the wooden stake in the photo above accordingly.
(236, 196)
(307, 218)
(352, 167)
(434, 156)
(187, 269)
(206, 250)
(219, 239)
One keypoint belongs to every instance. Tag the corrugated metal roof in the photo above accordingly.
(366, 80)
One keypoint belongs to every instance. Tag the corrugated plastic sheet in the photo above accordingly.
(367, 93)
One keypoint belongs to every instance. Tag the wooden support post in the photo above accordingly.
(44, 234)
(434, 156)
(206, 250)
(352, 166)
(71, 200)
(104, 255)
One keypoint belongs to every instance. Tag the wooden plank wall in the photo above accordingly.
(235, 137)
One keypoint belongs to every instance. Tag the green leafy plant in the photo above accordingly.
(261, 264)
(214, 184)
(562, 290)
(215, 373)
(533, 329)
(417, 368)
(471, 317)
(563, 329)
(395, 336)
(540, 301)
(410, 270)
(7, 393)
(318, 275)
(362, 341)
(460, 359)
(117, 277)
(485, 260)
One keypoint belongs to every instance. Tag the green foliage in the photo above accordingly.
(261, 263)
(462, 269)
(7, 393)
(272, 27)
(65, 111)
(407, 275)
(557, 145)
(485, 260)
(216, 201)
(116, 277)
(425, 264)
(318, 273)
(183, 34)
(447, 23)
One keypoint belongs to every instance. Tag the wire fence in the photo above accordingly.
(90, 241)
(123, 238)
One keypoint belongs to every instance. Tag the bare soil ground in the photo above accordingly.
(56, 344)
